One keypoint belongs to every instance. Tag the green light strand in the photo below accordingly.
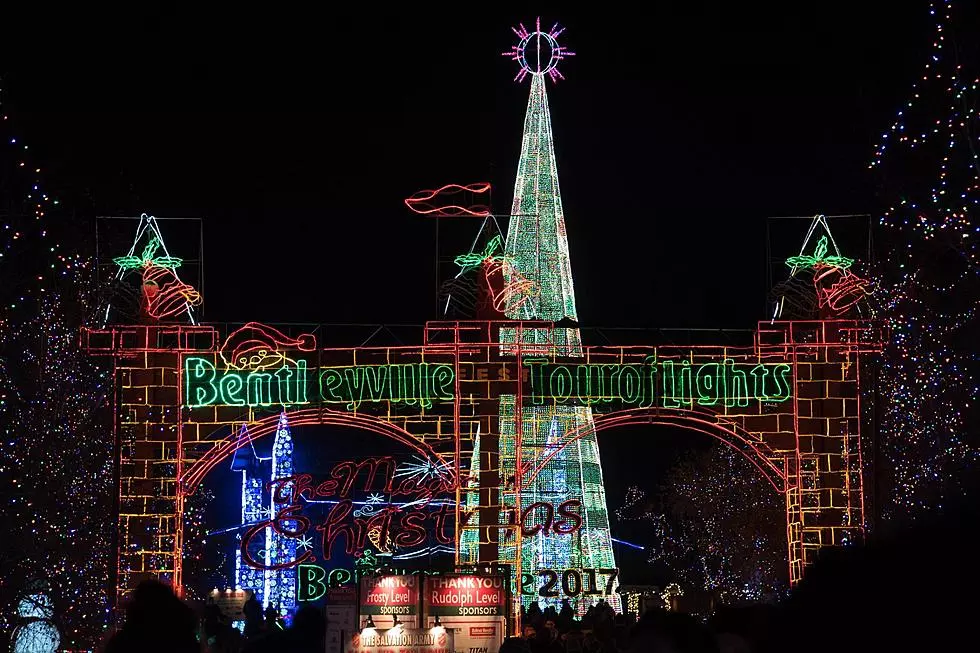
(819, 257)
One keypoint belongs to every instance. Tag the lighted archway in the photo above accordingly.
(756, 451)
(193, 476)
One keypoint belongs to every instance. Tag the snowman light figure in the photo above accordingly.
(36, 631)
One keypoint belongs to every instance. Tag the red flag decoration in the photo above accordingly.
(452, 201)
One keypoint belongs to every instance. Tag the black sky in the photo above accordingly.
(295, 135)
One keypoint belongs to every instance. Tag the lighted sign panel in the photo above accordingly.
(670, 384)
(390, 595)
(464, 596)
(401, 640)
(293, 383)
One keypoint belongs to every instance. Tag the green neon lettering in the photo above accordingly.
(407, 387)
(205, 386)
(301, 396)
(536, 366)
(231, 386)
(650, 393)
(707, 381)
(443, 377)
(737, 386)
(721, 383)
(686, 384)
(283, 375)
(338, 577)
(376, 378)
(710, 384)
(199, 382)
(607, 382)
(258, 389)
(425, 386)
(331, 380)
(584, 384)
(354, 378)
(759, 374)
(311, 586)
(630, 384)
(561, 384)
(670, 390)
(779, 374)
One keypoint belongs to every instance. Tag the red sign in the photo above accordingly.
(342, 594)
(483, 631)
(465, 595)
(389, 595)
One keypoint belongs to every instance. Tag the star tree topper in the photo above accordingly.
(537, 52)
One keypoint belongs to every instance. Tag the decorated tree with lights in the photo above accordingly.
(56, 468)
(717, 525)
(927, 166)
(533, 281)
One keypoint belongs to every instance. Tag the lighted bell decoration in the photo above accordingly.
(510, 288)
(164, 294)
(838, 289)
(502, 288)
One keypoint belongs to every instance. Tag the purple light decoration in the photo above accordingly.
(518, 52)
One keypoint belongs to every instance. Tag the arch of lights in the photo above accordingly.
(504, 405)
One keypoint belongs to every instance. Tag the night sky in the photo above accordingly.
(295, 135)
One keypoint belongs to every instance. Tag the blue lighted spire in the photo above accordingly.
(280, 585)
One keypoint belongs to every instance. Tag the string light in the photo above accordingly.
(537, 284)
(930, 186)
(28, 234)
(57, 470)
(280, 585)
(717, 525)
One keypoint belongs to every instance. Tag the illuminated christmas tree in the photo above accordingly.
(929, 174)
(56, 470)
(538, 273)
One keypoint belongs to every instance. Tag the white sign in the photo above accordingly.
(475, 634)
(341, 624)
(401, 640)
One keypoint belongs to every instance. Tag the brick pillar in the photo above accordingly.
(794, 522)
(829, 428)
(149, 510)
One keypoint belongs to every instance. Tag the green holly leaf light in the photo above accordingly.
(146, 259)
(819, 257)
(474, 260)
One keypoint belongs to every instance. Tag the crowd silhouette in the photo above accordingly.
(913, 591)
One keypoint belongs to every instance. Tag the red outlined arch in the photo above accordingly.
(757, 452)
(194, 474)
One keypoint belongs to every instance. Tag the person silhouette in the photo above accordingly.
(308, 631)
(252, 610)
(156, 622)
